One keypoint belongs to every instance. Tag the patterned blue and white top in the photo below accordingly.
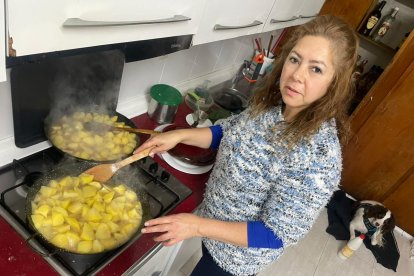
(256, 179)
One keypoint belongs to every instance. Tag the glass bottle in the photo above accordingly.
(359, 70)
(385, 25)
(372, 19)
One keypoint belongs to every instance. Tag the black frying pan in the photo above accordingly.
(125, 176)
(121, 118)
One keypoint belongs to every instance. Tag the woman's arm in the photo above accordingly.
(200, 137)
(179, 227)
(176, 228)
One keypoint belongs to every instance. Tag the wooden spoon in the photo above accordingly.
(101, 127)
(104, 172)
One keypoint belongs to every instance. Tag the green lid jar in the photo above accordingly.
(166, 94)
(164, 103)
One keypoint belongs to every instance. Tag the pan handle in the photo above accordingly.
(43, 254)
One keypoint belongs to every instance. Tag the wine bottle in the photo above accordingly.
(372, 19)
(385, 25)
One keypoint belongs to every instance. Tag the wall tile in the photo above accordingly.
(206, 59)
(178, 66)
(139, 76)
(228, 54)
(6, 115)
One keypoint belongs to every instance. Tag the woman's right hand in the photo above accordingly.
(161, 142)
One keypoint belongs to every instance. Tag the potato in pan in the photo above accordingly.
(83, 216)
(71, 135)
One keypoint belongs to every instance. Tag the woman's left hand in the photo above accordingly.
(174, 228)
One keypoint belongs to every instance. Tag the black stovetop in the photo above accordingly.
(164, 193)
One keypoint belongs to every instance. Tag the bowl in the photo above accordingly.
(204, 104)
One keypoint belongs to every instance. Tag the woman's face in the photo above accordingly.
(306, 74)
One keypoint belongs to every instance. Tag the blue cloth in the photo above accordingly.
(260, 236)
(217, 133)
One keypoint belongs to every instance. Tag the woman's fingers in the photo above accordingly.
(173, 228)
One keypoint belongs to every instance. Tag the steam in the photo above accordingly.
(88, 83)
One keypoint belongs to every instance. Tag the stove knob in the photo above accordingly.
(165, 176)
(153, 168)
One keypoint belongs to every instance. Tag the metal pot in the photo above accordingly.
(164, 103)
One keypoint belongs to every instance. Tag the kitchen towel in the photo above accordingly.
(340, 212)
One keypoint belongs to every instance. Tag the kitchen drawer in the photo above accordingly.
(41, 26)
(232, 18)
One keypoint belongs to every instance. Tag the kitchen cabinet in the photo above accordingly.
(286, 13)
(188, 253)
(308, 10)
(69, 24)
(232, 18)
(352, 10)
(378, 160)
(158, 262)
(3, 76)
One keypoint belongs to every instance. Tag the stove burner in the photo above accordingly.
(164, 193)
(24, 184)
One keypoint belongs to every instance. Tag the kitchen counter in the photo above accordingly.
(17, 258)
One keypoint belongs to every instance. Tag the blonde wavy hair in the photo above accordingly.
(334, 104)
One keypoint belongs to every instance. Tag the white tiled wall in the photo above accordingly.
(187, 66)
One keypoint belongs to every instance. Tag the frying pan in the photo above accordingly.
(191, 154)
(73, 168)
(121, 118)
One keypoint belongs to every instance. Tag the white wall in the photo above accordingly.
(182, 69)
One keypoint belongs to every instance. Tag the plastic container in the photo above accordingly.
(351, 247)
(164, 103)
(200, 96)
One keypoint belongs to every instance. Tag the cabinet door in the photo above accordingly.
(309, 9)
(352, 11)
(284, 13)
(2, 44)
(232, 18)
(157, 263)
(53, 25)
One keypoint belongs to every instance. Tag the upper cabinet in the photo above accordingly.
(309, 9)
(286, 13)
(3, 76)
(45, 26)
(232, 18)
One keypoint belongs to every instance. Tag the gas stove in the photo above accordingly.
(164, 190)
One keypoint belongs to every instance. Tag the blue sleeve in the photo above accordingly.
(217, 133)
(259, 236)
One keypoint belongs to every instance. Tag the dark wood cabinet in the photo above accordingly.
(379, 158)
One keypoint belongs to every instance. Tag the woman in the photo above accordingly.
(278, 162)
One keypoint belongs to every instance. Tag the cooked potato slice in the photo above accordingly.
(84, 216)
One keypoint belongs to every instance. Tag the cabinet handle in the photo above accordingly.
(308, 16)
(286, 20)
(219, 27)
(78, 22)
